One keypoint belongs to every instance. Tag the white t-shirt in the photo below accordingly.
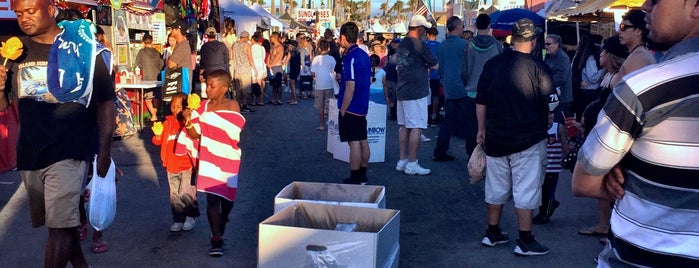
(323, 66)
(258, 58)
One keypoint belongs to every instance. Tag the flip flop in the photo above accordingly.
(99, 246)
(591, 231)
(82, 231)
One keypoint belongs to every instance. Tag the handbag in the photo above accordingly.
(568, 161)
(176, 80)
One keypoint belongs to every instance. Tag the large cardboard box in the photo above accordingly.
(304, 235)
(371, 196)
(376, 133)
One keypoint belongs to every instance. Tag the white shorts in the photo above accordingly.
(519, 175)
(413, 113)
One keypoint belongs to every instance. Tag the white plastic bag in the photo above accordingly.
(101, 207)
(476, 165)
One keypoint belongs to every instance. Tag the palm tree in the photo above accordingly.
(384, 8)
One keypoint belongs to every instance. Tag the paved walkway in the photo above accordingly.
(442, 214)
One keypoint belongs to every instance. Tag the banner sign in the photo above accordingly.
(324, 14)
(305, 14)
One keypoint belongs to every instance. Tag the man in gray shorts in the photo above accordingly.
(514, 135)
(57, 139)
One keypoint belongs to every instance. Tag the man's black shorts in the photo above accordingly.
(435, 85)
(277, 76)
(352, 127)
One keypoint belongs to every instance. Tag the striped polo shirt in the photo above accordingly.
(650, 125)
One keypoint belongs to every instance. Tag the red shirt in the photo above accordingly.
(167, 141)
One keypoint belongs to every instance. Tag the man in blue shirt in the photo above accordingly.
(435, 85)
(353, 101)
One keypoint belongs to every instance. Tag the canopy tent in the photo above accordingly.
(376, 28)
(592, 6)
(274, 22)
(245, 18)
(399, 28)
(293, 24)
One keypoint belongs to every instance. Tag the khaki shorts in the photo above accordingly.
(519, 175)
(54, 193)
(243, 82)
(322, 96)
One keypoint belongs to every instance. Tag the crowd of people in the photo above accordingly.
(629, 125)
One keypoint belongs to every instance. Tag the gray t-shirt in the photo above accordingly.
(182, 56)
(413, 58)
(151, 62)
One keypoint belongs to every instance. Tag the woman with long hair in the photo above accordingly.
(587, 72)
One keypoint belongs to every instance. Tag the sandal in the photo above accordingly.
(82, 232)
(591, 231)
(99, 246)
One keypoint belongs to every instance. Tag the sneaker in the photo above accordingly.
(423, 138)
(413, 169)
(176, 227)
(247, 109)
(491, 239)
(216, 248)
(363, 181)
(530, 249)
(400, 166)
(189, 223)
(443, 158)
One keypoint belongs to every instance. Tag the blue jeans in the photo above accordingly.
(460, 120)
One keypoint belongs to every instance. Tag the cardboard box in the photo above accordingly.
(304, 235)
(370, 196)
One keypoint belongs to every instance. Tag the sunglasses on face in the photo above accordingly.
(623, 27)
(548, 44)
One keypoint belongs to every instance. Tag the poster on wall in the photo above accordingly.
(104, 15)
(122, 31)
(158, 22)
(123, 54)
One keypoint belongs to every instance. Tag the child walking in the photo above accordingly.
(556, 147)
(213, 134)
(322, 69)
(183, 200)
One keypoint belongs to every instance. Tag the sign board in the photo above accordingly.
(510, 4)
(159, 34)
(6, 10)
(324, 14)
(305, 14)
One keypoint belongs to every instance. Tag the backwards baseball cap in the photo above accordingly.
(614, 47)
(210, 31)
(178, 24)
(419, 20)
(523, 30)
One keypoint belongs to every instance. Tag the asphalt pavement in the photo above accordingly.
(443, 216)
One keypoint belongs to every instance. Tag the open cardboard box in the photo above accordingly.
(304, 235)
(370, 196)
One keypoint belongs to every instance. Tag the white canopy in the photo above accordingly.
(399, 28)
(245, 18)
(273, 21)
(376, 28)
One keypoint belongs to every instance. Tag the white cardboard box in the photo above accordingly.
(371, 196)
(376, 133)
(304, 235)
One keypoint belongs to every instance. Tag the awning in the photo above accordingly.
(592, 6)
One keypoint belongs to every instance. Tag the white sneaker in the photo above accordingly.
(189, 223)
(176, 227)
(413, 168)
(424, 138)
(400, 166)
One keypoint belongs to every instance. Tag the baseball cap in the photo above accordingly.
(419, 20)
(523, 30)
(244, 34)
(397, 41)
(178, 24)
(614, 47)
(211, 31)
